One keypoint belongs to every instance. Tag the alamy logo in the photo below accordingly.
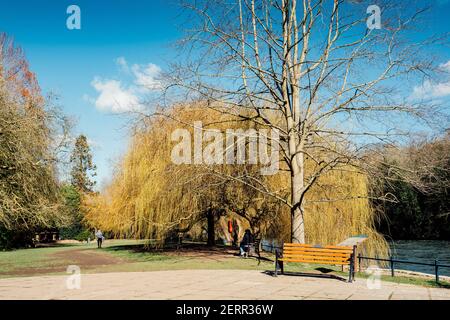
(234, 146)
(73, 282)
(73, 22)
(374, 20)
(374, 277)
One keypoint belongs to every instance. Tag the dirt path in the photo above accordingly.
(87, 258)
(84, 258)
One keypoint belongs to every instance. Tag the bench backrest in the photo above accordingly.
(294, 252)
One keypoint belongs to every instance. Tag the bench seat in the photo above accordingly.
(306, 253)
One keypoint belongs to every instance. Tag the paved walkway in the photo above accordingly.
(207, 284)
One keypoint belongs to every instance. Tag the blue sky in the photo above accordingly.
(67, 62)
(120, 48)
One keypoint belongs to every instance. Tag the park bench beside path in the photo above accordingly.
(306, 253)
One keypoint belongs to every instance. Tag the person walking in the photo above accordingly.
(99, 236)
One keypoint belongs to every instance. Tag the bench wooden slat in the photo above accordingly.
(318, 250)
(290, 255)
(318, 254)
(297, 245)
(329, 251)
(305, 260)
(317, 262)
(319, 247)
(314, 254)
(318, 258)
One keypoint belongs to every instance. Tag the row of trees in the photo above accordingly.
(311, 69)
(420, 206)
(32, 136)
(28, 187)
(150, 197)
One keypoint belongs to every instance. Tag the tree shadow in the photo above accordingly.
(56, 245)
(308, 274)
(187, 251)
(173, 247)
(442, 285)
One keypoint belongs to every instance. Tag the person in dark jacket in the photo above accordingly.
(245, 243)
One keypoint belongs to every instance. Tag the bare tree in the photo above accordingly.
(315, 71)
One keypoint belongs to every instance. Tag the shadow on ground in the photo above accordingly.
(186, 250)
(304, 274)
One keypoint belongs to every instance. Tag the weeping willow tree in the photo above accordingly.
(150, 196)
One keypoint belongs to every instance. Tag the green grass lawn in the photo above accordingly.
(43, 257)
(130, 256)
(30, 258)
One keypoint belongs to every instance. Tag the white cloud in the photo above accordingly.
(445, 66)
(123, 95)
(114, 97)
(147, 76)
(433, 90)
(430, 90)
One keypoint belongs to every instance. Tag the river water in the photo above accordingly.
(410, 250)
(421, 251)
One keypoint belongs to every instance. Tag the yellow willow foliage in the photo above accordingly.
(349, 214)
(336, 208)
(150, 196)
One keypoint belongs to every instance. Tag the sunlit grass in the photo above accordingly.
(31, 258)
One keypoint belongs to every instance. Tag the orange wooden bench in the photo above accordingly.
(306, 253)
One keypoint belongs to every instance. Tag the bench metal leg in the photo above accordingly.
(276, 265)
(353, 264)
(351, 273)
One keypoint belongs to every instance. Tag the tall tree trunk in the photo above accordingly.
(297, 184)
(211, 227)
